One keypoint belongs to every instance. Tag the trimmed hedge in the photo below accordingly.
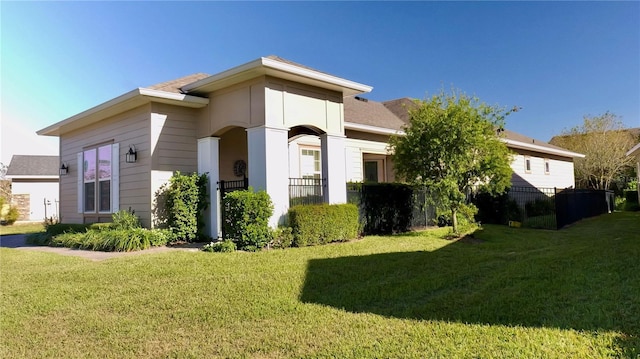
(631, 200)
(247, 215)
(323, 223)
(387, 207)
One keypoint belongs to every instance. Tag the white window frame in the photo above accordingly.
(114, 185)
(547, 166)
(317, 173)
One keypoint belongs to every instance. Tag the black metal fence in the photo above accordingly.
(423, 214)
(573, 205)
(553, 208)
(230, 186)
(226, 187)
(306, 191)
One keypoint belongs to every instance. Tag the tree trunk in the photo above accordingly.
(454, 220)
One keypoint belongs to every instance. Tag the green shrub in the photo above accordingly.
(224, 246)
(496, 209)
(387, 207)
(620, 203)
(125, 219)
(465, 215)
(8, 213)
(631, 200)
(282, 237)
(59, 228)
(323, 223)
(185, 200)
(247, 215)
(540, 207)
(112, 240)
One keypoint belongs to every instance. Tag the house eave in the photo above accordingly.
(541, 149)
(125, 102)
(269, 67)
(372, 129)
(635, 151)
(32, 177)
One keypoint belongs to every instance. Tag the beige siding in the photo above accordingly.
(128, 128)
(560, 171)
(173, 144)
(241, 105)
(289, 104)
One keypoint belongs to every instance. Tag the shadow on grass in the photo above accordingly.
(569, 284)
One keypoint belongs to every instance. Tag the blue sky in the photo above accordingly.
(558, 61)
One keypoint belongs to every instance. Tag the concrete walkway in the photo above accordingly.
(18, 241)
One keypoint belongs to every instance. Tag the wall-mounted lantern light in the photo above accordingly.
(132, 155)
(64, 169)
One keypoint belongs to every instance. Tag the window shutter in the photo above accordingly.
(80, 169)
(115, 177)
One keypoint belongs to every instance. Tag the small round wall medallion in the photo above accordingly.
(239, 168)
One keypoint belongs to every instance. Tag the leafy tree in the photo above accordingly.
(452, 145)
(604, 140)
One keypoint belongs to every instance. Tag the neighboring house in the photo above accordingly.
(635, 152)
(272, 120)
(34, 186)
(535, 164)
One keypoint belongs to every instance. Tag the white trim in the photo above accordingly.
(80, 183)
(635, 148)
(30, 177)
(542, 149)
(115, 177)
(124, 102)
(265, 66)
(372, 129)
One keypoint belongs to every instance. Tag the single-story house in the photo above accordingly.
(536, 163)
(635, 152)
(272, 121)
(34, 186)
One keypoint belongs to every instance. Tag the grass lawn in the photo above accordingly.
(22, 228)
(508, 292)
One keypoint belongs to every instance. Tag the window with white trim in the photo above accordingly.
(98, 177)
(527, 164)
(310, 163)
(547, 166)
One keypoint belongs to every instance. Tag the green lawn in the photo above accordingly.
(22, 228)
(507, 293)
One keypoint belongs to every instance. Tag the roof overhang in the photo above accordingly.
(270, 67)
(128, 101)
(33, 177)
(635, 151)
(372, 129)
(541, 149)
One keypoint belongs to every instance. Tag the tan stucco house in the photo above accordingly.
(271, 120)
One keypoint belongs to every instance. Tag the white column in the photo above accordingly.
(268, 167)
(209, 162)
(333, 168)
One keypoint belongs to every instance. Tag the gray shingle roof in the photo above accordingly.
(177, 84)
(400, 107)
(24, 165)
(514, 136)
(371, 113)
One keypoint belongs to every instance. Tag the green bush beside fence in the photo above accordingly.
(631, 200)
(323, 223)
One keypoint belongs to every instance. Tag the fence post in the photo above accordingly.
(555, 203)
